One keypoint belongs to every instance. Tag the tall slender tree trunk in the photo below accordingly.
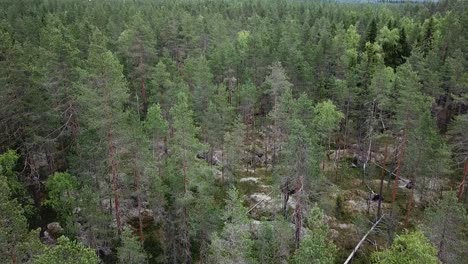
(409, 207)
(13, 258)
(461, 189)
(382, 176)
(441, 245)
(222, 167)
(298, 212)
(371, 130)
(143, 87)
(138, 192)
(113, 163)
(186, 236)
(399, 163)
(115, 188)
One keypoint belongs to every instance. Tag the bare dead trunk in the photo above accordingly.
(382, 176)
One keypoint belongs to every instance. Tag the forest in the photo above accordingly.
(233, 131)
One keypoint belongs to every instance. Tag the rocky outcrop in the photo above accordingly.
(147, 218)
(53, 231)
(267, 205)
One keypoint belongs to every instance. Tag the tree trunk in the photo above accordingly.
(115, 188)
(409, 207)
(185, 231)
(399, 163)
(461, 189)
(143, 88)
(138, 192)
(382, 176)
(441, 246)
(13, 258)
(371, 130)
(298, 213)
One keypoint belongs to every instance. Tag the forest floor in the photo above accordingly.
(344, 196)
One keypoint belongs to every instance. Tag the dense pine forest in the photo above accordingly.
(241, 131)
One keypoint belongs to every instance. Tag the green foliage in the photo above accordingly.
(408, 248)
(234, 149)
(67, 251)
(155, 125)
(233, 244)
(7, 164)
(61, 188)
(445, 223)
(315, 247)
(131, 250)
(273, 242)
(326, 118)
(13, 226)
(120, 95)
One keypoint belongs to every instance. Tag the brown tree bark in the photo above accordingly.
(461, 188)
(112, 162)
(409, 207)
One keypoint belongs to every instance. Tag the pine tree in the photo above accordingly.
(62, 189)
(408, 248)
(199, 78)
(137, 46)
(273, 242)
(234, 148)
(371, 35)
(278, 85)
(315, 247)
(233, 244)
(184, 146)
(444, 224)
(13, 225)
(67, 251)
(103, 93)
(131, 250)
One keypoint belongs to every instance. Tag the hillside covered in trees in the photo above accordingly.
(240, 131)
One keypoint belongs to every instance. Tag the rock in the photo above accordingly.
(217, 158)
(346, 226)
(250, 180)
(269, 205)
(257, 197)
(341, 154)
(218, 175)
(147, 218)
(334, 234)
(54, 230)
